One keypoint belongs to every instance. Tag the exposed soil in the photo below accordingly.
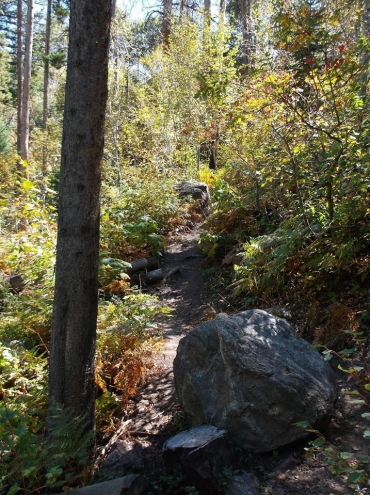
(155, 415)
(184, 291)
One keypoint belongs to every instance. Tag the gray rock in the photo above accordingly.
(197, 190)
(132, 484)
(244, 484)
(15, 282)
(202, 452)
(251, 374)
(127, 456)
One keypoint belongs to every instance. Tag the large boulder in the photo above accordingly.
(197, 190)
(250, 373)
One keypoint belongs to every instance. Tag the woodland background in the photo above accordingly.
(265, 101)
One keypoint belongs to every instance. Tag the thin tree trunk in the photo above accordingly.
(19, 73)
(207, 13)
(329, 198)
(166, 26)
(115, 97)
(247, 32)
(45, 113)
(207, 28)
(221, 30)
(365, 28)
(46, 67)
(73, 329)
(25, 120)
(222, 16)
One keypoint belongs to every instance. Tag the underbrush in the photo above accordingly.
(134, 223)
(127, 340)
(320, 273)
(137, 214)
(278, 256)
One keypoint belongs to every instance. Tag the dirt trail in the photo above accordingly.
(184, 291)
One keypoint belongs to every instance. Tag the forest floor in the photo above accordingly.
(154, 414)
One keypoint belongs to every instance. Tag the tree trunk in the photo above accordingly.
(221, 31)
(46, 67)
(45, 113)
(222, 17)
(19, 73)
(207, 28)
(213, 154)
(166, 26)
(114, 108)
(365, 32)
(73, 330)
(207, 12)
(25, 119)
(247, 32)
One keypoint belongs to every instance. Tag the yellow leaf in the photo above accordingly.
(27, 185)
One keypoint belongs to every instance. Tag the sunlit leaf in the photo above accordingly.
(27, 185)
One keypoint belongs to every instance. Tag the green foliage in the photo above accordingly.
(110, 269)
(173, 484)
(296, 167)
(128, 336)
(225, 478)
(57, 59)
(27, 248)
(134, 314)
(28, 460)
(354, 465)
(136, 215)
(4, 139)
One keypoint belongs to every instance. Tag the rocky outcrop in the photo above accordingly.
(197, 190)
(127, 457)
(250, 373)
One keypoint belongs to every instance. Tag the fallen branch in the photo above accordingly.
(142, 433)
(111, 442)
(153, 276)
(171, 272)
(143, 264)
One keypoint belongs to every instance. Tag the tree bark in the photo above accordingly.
(45, 113)
(366, 32)
(166, 26)
(222, 17)
(221, 31)
(213, 154)
(46, 67)
(25, 119)
(207, 12)
(19, 72)
(247, 32)
(73, 330)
